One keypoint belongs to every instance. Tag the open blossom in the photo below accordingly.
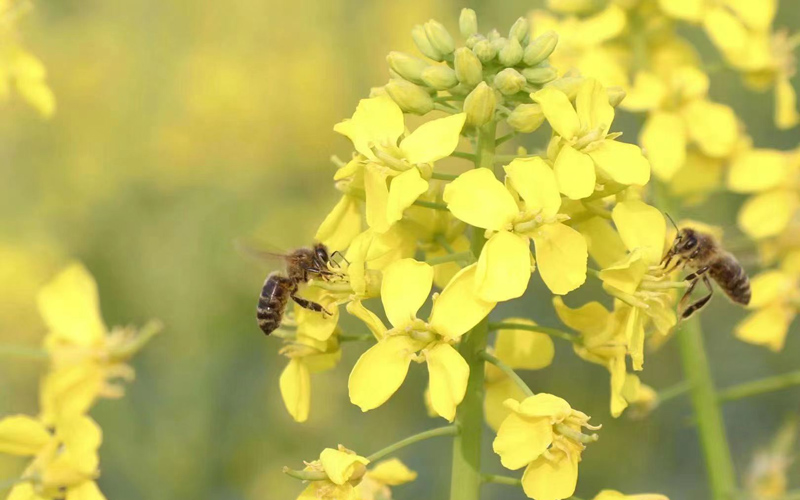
(543, 434)
(525, 208)
(393, 174)
(64, 457)
(306, 356)
(378, 478)
(775, 303)
(87, 359)
(343, 470)
(381, 370)
(582, 150)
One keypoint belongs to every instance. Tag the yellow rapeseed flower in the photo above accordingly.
(381, 370)
(306, 356)
(526, 208)
(543, 434)
(616, 495)
(394, 174)
(377, 480)
(775, 301)
(343, 470)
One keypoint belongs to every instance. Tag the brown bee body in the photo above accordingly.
(301, 266)
(702, 253)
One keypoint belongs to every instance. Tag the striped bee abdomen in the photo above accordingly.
(732, 279)
(272, 302)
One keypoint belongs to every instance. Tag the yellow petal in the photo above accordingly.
(589, 319)
(380, 371)
(767, 326)
(757, 15)
(551, 480)
(535, 182)
(403, 191)
(497, 392)
(295, 384)
(616, 495)
(574, 172)
(433, 140)
(559, 111)
(634, 331)
(562, 256)
(620, 162)
(545, 405)
(504, 267)
(617, 368)
(594, 110)
(604, 243)
(479, 199)
(523, 349)
(392, 472)
(758, 170)
(768, 214)
(314, 324)
(24, 491)
(664, 140)
(377, 198)
(87, 490)
(405, 287)
(38, 94)
(626, 274)
(70, 307)
(81, 437)
(520, 440)
(459, 307)
(647, 93)
(726, 31)
(769, 286)
(70, 390)
(688, 10)
(786, 114)
(712, 126)
(340, 465)
(22, 435)
(641, 226)
(448, 374)
(373, 322)
(341, 225)
(325, 490)
(377, 120)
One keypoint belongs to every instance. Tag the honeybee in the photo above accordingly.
(702, 253)
(302, 265)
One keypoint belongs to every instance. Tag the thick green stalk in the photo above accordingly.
(710, 425)
(762, 386)
(465, 482)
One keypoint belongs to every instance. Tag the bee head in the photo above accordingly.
(686, 241)
(321, 255)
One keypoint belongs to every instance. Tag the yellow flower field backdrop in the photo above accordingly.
(145, 139)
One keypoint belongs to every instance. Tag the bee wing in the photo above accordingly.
(258, 252)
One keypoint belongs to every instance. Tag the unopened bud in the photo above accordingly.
(509, 81)
(511, 53)
(439, 77)
(410, 98)
(407, 66)
(498, 42)
(484, 50)
(439, 37)
(519, 30)
(423, 44)
(493, 35)
(469, 70)
(472, 40)
(540, 48)
(468, 23)
(539, 76)
(526, 118)
(568, 85)
(615, 95)
(479, 105)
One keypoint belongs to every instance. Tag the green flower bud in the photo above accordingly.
(410, 98)
(424, 45)
(509, 81)
(526, 118)
(498, 43)
(520, 30)
(407, 66)
(484, 51)
(469, 70)
(615, 95)
(479, 105)
(439, 77)
(541, 75)
(511, 53)
(439, 37)
(468, 23)
(493, 35)
(474, 39)
(540, 48)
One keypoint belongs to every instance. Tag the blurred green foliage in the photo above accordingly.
(182, 126)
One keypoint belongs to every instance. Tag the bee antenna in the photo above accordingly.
(672, 221)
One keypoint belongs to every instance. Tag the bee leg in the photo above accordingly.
(700, 303)
(697, 274)
(311, 306)
(341, 255)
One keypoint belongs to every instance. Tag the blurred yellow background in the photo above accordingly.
(184, 125)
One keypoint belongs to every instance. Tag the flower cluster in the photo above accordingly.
(87, 361)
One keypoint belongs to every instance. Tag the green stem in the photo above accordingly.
(506, 138)
(442, 240)
(430, 204)
(673, 392)
(498, 479)
(465, 156)
(508, 371)
(444, 177)
(535, 328)
(465, 479)
(453, 257)
(710, 425)
(761, 386)
(23, 352)
(447, 430)
(365, 337)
